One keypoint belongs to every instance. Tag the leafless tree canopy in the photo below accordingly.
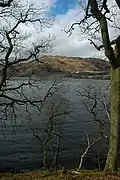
(5, 3)
(97, 18)
(17, 21)
(95, 14)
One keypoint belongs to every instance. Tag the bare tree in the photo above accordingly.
(57, 109)
(20, 23)
(96, 20)
(95, 100)
(89, 145)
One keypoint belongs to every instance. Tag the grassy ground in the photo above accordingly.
(83, 175)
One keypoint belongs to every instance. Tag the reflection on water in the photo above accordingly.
(20, 150)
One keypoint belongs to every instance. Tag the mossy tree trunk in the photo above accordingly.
(112, 162)
(93, 9)
(113, 157)
(45, 155)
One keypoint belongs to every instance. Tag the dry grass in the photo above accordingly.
(60, 64)
(84, 175)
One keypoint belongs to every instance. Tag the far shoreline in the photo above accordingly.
(52, 75)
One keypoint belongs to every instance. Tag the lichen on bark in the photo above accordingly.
(112, 162)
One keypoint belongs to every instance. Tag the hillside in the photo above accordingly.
(61, 64)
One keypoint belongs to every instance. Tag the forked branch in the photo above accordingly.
(5, 4)
(89, 145)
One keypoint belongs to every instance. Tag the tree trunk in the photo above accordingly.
(113, 157)
(44, 155)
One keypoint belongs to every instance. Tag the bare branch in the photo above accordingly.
(94, 104)
(104, 32)
(118, 3)
(89, 144)
(101, 46)
(105, 7)
(5, 4)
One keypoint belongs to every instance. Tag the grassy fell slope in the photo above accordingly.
(61, 64)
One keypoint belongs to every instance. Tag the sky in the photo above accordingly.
(65, 12)
(63, 6)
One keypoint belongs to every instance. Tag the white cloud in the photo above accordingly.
(75, 45)
(43, 2)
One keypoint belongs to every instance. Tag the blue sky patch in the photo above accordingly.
(62, 6)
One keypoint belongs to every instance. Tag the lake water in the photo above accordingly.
(20, 150)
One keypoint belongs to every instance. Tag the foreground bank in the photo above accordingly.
(68, 175)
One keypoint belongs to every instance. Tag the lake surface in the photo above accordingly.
(20, 150)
